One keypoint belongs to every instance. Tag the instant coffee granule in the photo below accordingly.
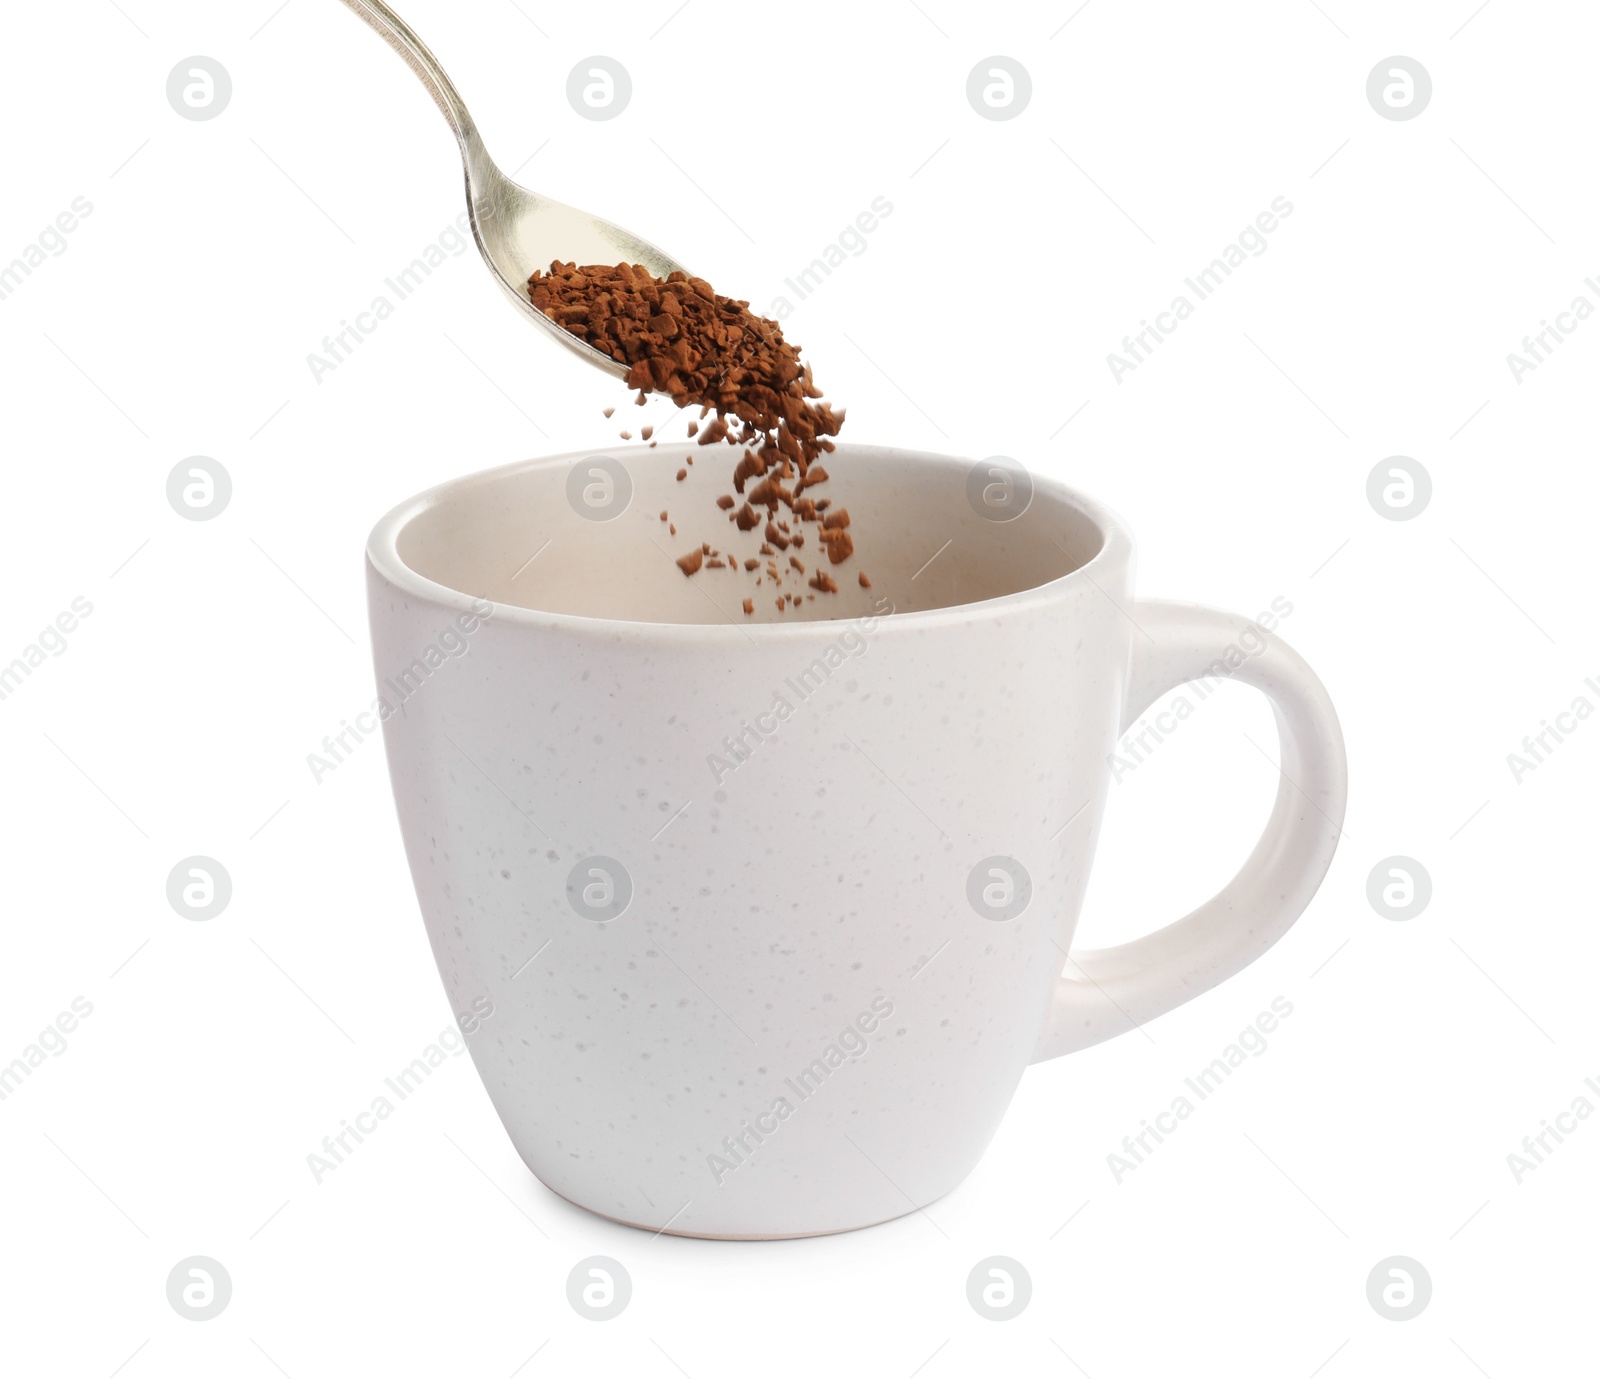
(679, 337)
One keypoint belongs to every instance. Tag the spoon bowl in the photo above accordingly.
(517, 230)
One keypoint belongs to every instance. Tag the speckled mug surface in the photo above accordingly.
(772, 911)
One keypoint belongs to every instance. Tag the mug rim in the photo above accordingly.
(384, 559)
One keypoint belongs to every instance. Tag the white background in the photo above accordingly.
(178, 720)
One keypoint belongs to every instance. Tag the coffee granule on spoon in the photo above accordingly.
(679, 337)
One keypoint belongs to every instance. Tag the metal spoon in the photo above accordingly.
(517, 230)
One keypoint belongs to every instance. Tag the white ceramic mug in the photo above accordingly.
(770, 913)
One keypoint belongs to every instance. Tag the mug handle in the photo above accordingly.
(1108, 991)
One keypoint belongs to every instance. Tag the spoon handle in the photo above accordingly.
(400, 36)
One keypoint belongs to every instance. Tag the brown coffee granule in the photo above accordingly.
(861, 577)
(608, 412)
(645, 432)
(690, 563)
(679, 337)
(839, 545)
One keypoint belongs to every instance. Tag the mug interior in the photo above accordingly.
(524, 536)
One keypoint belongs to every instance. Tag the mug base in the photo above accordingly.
(729, 1235)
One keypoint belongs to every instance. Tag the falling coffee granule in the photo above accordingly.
(679, 337)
